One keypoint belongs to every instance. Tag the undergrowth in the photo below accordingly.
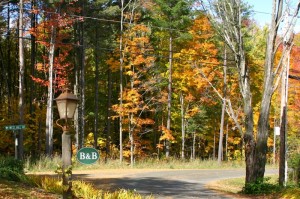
(45, 163)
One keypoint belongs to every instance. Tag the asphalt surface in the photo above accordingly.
(163, 184)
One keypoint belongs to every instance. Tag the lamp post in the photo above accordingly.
(66, 105)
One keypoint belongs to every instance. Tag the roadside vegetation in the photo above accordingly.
(46, 164)
(266, 188)
(15, 183)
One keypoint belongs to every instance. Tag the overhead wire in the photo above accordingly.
(118, 21)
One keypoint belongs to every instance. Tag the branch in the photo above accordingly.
(294, 77)
(230, 112)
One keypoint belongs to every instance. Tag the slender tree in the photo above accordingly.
(21, 81)
(220, 149)
(171, 16)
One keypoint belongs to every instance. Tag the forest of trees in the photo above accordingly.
(179, 78)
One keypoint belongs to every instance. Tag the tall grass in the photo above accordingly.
(81, 189)
(45, 163)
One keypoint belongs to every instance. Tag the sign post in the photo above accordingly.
(87, 155)
(14, 128)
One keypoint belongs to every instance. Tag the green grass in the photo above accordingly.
(235, 186)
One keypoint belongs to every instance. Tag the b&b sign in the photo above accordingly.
(87, 155)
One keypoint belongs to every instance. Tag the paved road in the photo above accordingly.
(163, 184)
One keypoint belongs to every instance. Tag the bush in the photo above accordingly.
(294, 163)
(11, 169)
(261, 186)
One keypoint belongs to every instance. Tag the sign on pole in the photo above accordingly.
(87, 155)
(15, 127)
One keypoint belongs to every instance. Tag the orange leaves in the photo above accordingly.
(166, 134)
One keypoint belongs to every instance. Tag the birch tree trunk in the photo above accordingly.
(49, 113)
(283, 124)
(21, 81)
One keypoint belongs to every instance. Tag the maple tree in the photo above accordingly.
(189, 80)
(52, 34)
(136, 66)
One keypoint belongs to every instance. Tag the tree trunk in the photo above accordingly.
(263, 121)
(21, 81)
(96, 102)
(82, 83)
(32, 58)
(121, 82)
(182, 125)
(220, 150)
(283, 123)
(226, 144)
(49, 114)
(194, 145)
(131, 125)
(108, 117)
(169, 95)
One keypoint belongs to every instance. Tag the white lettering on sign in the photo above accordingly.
(88, 156)
(94, 156)
(82, 156)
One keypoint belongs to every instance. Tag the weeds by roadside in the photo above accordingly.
(45, 163)
(15, 184)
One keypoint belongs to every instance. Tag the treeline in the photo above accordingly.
(154, 78)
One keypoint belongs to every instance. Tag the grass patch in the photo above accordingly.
(234, 187)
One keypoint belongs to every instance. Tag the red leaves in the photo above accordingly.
(63, 25)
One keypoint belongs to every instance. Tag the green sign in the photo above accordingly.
(14, 127)
(87, 155)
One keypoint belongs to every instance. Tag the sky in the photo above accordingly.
(262, 12)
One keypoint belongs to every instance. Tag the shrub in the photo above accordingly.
(11, 169)
(261, 186)
(294, 163)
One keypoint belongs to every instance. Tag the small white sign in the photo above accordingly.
(277, 130)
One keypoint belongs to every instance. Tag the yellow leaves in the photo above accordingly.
(270, 142)
(126, 153)
(129, 73)
(192, 112)
(39, 66)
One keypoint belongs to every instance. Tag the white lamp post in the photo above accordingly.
(66, 105)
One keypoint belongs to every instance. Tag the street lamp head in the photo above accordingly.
(66, 105)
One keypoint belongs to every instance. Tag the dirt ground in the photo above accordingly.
(14, 190)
